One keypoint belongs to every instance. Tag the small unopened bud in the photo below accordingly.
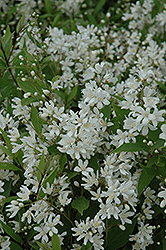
(108, 14)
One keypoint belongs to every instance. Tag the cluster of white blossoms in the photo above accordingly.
(90, 137)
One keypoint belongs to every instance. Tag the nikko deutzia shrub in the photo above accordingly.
(82, 125)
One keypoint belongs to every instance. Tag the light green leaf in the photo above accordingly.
(56, 19)
(20, 23)
(35, 119)
(80, 204)
(55, 242)
(11, 233)
(9, 166)
(6, 138)
(43, 246)
(162, 86)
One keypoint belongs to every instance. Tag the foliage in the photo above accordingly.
(82, 124)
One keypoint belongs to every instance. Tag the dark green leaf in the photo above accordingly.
(144, 181)
(35, 119)
(131, 147)
(88, 246)
(80, 204)
(11, 233)
(120, 113)
(15, 246)
(99, 6)
(107, 110)
(72, 93)
(150, 170)
(117, 238)
(28, 100)
(93, 162)
(158, 144)
(62, 161)
(48, 6)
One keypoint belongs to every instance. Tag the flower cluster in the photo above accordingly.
(82, 126)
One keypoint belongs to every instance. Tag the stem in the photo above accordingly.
(8, 66)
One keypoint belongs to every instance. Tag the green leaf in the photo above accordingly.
(20, 23)
(7, 188)
(131, 147)
(88, 246)
(35, 119)
(43, 246)
(48, 6)
(55, 242)
(162, 86)
(14, 245)
(60, 93)
(7, 88)
(150, 170)
(56, 19)
(2, 63)
(40, 168)
(117, 238)
(144, 181)
(28, 100)
(158, 144)
(91, 19)
(62, 161)
(99, 6)
(50, 179)
(93, 162)
(7, 41)
(9, 166)
(7, 151)
(107, 110)
(11, 233)
(26, 86)
(80, 204)
(120, 113)
(72, 93)
(9, 199)
(6, 139)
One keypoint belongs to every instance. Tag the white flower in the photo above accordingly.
(24, 194)
(43, 230)
(1, 184)
(162, 194)
(50, 224)
(163, 134)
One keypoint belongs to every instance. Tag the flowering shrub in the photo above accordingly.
(82, 125)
